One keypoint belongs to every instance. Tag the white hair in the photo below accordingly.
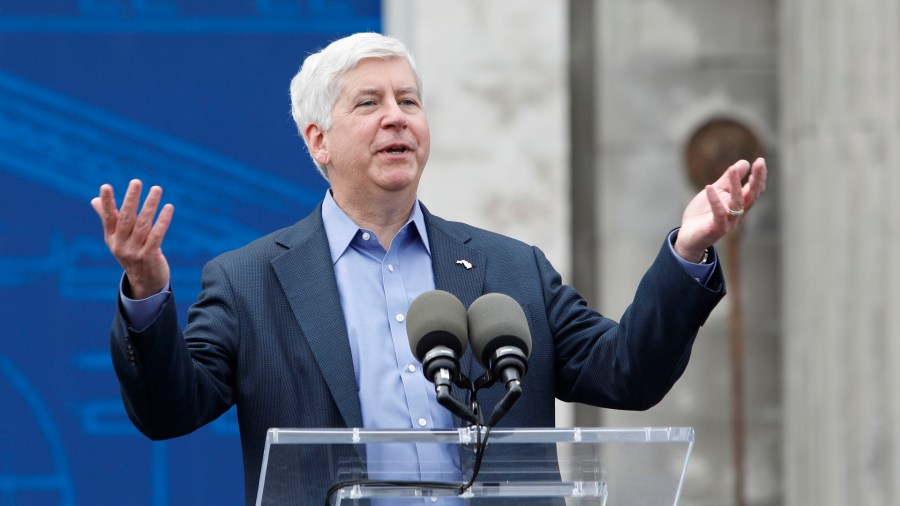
(317, 85)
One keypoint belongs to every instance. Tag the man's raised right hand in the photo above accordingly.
(134, 239)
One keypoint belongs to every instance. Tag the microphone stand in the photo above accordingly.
(442, 368)
(442, 385)
(512, 365)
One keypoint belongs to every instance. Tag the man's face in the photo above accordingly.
(379, 139)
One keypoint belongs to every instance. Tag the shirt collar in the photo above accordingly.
(341, 229)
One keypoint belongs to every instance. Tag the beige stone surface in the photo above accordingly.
(839, 66)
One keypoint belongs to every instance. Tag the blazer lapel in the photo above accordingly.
(307, 277)
(460, 270)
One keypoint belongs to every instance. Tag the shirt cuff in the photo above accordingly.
(700, 272)
(140, 313)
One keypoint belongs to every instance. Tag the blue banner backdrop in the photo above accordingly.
(191, 95)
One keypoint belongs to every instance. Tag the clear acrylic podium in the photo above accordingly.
(571, 466)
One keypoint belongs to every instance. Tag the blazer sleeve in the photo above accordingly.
(631, 364)
(171, 386)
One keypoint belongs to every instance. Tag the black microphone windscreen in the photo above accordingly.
(497, 320)
(436, 318)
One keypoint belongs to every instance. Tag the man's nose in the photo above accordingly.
(394, 116)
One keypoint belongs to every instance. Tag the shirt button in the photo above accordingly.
(366, 236)
(399, 317)
(423, 422)
(391, 267)
(411, 367)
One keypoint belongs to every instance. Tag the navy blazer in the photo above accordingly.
(267, 333)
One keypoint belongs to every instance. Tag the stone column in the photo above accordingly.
(840, 96)
(496, 87)
(667, 67)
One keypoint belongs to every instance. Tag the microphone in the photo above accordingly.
(501, 342)
(436, 325)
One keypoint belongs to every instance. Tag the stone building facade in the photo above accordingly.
(565, 124)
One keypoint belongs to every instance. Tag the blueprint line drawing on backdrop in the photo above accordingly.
(190, 95)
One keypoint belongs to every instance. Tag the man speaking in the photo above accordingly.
(305, 327)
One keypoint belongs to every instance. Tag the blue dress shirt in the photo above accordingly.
(376, 288)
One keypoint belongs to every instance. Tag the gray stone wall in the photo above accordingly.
(495, 83)
(666, 68)
(840, 88)
(496, 93)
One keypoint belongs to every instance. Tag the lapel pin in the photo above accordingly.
(464, 263)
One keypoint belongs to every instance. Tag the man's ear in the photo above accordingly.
(315, 141)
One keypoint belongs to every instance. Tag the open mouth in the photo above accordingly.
(396, 150)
